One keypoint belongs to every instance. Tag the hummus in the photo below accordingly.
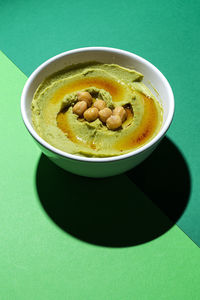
(54, 120)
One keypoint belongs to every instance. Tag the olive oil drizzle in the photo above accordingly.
(131, 141)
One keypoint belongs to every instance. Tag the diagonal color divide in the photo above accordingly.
(169, 192)
(39, 259)
(29, 36)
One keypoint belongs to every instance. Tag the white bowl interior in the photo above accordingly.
(153, 78)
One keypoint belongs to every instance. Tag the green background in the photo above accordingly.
(88, 259)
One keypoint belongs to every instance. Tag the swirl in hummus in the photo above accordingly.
(54, 120)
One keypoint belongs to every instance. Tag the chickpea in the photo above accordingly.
(120, 111)
(99, 104)
(104, 114)
(85, 96)
(114, 122)
(79, 108)
(91, 114)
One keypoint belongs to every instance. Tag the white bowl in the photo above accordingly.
(99, 167)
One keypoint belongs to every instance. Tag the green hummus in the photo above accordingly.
(54, 120)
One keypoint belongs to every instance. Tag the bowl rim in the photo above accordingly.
(137, 151)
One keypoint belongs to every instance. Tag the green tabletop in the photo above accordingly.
(57, 244)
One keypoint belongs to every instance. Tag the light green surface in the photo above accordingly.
(40, 261)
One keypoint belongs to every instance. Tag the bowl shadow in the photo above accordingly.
(119, 211)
